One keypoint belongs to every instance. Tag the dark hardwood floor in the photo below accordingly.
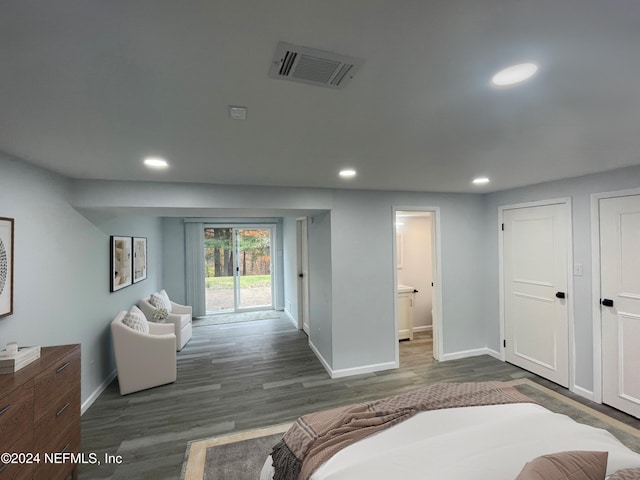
(239, 376)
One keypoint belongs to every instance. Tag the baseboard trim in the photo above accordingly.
(469, 353)
(377, 367)
(583, 392)
(348, 372)
(291, 319)
(96, 393)
(494, 354)
(423, 328)
(324, 363)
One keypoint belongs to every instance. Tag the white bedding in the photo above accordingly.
(487, 442)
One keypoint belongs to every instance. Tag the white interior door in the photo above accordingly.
(535, 275)
(620, 289)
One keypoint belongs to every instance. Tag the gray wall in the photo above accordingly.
(61, 284)
(580, 190)
(320, 287)
(352, 291)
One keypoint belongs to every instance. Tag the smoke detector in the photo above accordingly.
(315, 67)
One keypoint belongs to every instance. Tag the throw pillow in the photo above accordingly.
(626, 474)
(160, 300)
(577, 465)
(135, 319)
(165, 299)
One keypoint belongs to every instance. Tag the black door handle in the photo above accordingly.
(607, 302)
(301, 275)
(560, 294)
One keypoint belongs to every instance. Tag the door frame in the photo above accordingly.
(273, 268)
(302, 266)
(566, 201)
(436, 267)
(595, 284)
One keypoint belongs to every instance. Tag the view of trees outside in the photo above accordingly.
(254, 267)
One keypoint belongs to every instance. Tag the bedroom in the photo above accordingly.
(69, 266)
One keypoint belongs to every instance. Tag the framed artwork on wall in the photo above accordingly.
(120, 262)
(6, 266)
(139, 259)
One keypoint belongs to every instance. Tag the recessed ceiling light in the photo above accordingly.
(480, 181)
(514, 74)
(156, 162)
(347, 173)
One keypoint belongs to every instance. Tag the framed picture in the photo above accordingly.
(139, 259)
(120, 262)
(6, 266)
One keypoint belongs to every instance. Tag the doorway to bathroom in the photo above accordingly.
(416, 272)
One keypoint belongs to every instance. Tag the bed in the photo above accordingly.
(491, 442)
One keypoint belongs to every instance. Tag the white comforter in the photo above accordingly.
(486, 442)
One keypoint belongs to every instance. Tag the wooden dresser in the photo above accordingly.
(40, 413)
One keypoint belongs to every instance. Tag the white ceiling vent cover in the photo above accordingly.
(315, 67)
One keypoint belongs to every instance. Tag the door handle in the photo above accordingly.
(560, 295)
(607, 302)
(301, 275)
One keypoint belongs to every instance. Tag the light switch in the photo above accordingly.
(577, 269)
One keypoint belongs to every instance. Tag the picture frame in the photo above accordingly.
(139, 259)
(121, 264)
(6, 266)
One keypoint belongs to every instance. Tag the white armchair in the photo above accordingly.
(179, 315)
(143, 360)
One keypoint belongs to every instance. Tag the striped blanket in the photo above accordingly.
(316, 437)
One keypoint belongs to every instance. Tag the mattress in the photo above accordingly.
(484, 443)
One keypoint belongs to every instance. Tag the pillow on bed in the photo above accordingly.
(578, 465)
(626, 474)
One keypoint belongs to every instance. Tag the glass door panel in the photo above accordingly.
(253, 268)
(219, 269)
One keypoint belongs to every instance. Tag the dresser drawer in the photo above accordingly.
(62, 415)
(70, 443)
(16, 471)
(55, 382)
(16, 415)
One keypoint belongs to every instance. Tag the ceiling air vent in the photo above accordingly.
(315, 67)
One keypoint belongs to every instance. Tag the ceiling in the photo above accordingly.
(88, 88)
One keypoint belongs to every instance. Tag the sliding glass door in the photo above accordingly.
(238, 268)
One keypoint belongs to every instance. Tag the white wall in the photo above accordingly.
(61, 284)
(416, 268)
(580, 190)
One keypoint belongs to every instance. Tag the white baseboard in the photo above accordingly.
(291, 319)
(347, 372)
(96, 393)
(423, 328)
(324, 363)
(378, 367)
(583, 392)
(495, 354)
(469, 353)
